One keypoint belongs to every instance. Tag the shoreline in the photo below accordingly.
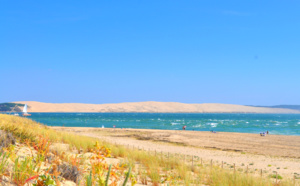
(187, 130)
(82, 112)
(271, 145)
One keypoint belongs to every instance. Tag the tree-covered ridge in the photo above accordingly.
(10, 107)
(293, 107)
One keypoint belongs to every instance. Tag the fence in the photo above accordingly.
(197, 161)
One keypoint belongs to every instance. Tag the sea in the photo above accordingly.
(282, 124)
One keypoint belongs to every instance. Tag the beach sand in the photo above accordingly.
(267, 154)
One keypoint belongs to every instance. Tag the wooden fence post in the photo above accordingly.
(211, 163)
(234, 167)
(192, 161)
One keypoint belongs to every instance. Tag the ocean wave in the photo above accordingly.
(197, 126)
(283, 124)
(213, 124)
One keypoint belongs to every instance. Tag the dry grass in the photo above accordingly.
(25, 129)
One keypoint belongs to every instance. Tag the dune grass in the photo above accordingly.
(25, 129)
(156, 168)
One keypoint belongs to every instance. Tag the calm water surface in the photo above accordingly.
(286, 124)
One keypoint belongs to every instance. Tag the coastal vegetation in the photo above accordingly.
(10, 107)
(34, 154)
(293, 107)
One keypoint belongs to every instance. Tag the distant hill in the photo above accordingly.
(11, 107)
(151, 107)
(294, 107)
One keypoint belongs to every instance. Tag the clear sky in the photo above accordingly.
(191, 51)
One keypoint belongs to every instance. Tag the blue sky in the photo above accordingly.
(196, 51)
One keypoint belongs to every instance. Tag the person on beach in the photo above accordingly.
(184, 127)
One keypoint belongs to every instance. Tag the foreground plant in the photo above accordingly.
(23, 170)
(42, 147)
(44, 180)
(4, 162)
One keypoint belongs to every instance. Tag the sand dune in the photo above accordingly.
(150, 106)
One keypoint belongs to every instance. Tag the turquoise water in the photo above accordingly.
(286, 124)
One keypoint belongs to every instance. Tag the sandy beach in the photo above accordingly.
(260, 154)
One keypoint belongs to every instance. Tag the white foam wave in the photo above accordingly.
(196, 126)
(213, 124)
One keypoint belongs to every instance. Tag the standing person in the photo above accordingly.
(184, 127)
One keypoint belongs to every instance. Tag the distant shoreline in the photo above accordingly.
(4, 112)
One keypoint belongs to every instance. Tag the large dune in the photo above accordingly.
(151, 106)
